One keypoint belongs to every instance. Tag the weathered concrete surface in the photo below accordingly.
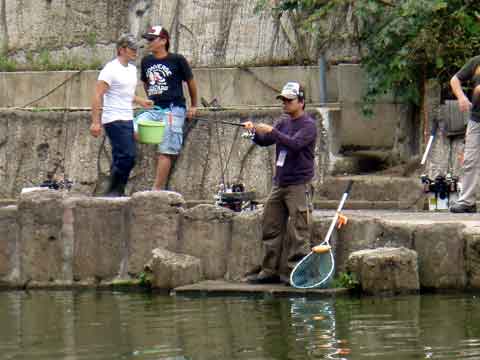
(256, 86)
(59, 144)
(385, 270)
(43, 252)
(211, 287)
(76, 241)
(246, 250)
(207, 32)
(170, 269)
(472, 256)
(207, 234)
(8, 242)
(154, 219)
(441, 255)
(100, 230)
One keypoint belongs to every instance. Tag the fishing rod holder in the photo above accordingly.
(442, 191)
(235, 198)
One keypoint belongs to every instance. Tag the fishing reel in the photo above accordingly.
(442, 190)
(440, 184)
(249, 134)
(54, 184)
(235, 198)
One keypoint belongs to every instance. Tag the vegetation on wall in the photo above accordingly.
(402, 42)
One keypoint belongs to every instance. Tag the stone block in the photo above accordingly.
(472, 258)
(440, 248)
(246, 250)
(154, 221)
(207, 234)
(8, 242)
(44, 252)
(385, 270)
(100, 229)
(171, 269)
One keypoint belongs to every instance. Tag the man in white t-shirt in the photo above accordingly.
(112, 108)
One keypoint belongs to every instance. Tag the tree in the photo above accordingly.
(402, 42)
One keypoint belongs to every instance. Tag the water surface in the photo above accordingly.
(115, 325)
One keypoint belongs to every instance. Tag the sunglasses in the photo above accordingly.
(152, 39)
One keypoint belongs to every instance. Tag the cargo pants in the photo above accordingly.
(286, 226)
(471, 164)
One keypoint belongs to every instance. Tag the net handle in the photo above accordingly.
(340, 207)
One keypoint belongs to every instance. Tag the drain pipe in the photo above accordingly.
(322, 67)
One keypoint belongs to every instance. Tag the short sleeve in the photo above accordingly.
(106, 74)
(468, 70)
(186, 69)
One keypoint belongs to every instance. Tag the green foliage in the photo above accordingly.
(7, 64)
(91, 39)
(403, 42)
(145, 279)
(346, 280)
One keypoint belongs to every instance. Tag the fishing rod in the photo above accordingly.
(218, 121)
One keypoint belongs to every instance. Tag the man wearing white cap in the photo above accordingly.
(286, 221)
(163, 74)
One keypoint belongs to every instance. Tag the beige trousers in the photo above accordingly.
(471, 164)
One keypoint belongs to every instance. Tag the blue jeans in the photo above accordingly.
(173, 117)
(124, 151)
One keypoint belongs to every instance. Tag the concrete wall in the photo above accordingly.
(55, 239)
(231, 86)
(209, 33)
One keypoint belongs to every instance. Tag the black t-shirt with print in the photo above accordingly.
(471, 72)
(164, 77)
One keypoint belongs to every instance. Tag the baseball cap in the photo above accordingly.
(292, 90)
(155, 31)
(127, 40)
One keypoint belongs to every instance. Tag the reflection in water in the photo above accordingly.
(112, 325)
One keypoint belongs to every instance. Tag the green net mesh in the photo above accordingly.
(313, 271)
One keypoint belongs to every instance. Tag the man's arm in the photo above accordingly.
(101, 87)
(463, 103)
(192, 90)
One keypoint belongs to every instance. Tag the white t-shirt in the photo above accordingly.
(117, 101)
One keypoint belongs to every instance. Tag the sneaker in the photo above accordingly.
(263, 278)
(462, 208)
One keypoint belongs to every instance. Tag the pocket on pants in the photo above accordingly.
(302, 218)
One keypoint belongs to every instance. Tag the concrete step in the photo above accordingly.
(385, 190)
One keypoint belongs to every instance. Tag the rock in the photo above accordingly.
(43, 251)
(207, 234)
(440, 248)
(171, 270)
(472, 258)
(385, 270)
(100, 232)
(154, 218)
(8, 243)
(246, 248)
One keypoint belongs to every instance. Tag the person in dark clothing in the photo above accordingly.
(286, 221)
(163, 74)
(471, 166)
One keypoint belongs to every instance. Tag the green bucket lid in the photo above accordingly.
(151, 123)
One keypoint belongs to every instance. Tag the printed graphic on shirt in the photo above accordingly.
(157, 79)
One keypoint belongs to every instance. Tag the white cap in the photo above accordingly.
(291, 90)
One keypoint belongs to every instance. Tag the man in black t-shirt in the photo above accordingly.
(163, 74)
(471, 165)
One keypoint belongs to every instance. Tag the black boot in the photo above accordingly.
(114, 187)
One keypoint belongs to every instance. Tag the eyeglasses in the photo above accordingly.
(285, 100)
(152, 38)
